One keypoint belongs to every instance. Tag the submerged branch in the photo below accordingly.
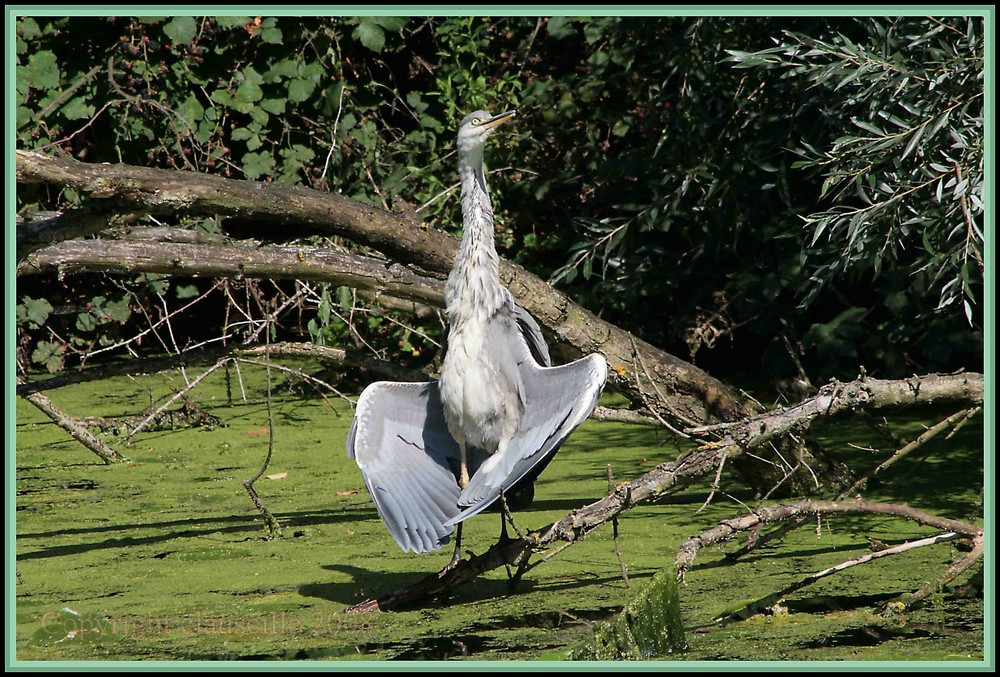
(770, 600)
(726, 529)
(800, 511)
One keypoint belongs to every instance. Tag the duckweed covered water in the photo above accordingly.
(166, 558)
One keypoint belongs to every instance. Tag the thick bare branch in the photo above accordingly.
(217, 260)
(863, 393)
(77, 429)
(35, 234)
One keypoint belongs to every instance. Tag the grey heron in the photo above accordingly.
(434, 454)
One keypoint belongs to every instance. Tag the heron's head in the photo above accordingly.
(476, 127)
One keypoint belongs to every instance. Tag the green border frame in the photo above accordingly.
(988, 664)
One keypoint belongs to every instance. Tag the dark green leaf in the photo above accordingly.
(370, 34)
(182, 29)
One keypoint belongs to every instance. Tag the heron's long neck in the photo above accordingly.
(474, 282)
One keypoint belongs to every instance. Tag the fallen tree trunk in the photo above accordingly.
(235, 261)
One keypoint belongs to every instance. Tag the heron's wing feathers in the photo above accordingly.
(402, 445)
(557, 399)
(532, 334)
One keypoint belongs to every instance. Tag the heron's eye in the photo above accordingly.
(476, 121)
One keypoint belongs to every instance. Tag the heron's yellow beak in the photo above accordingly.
(498, 120)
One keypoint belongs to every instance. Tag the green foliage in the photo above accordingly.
(371, 30)
(33, 312)
(684, 166)
(903, 178)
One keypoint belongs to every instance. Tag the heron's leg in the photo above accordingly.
(505, 517)
(457, 556)
(463, 481)
(522, 560)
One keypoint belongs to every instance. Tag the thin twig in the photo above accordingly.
(63, 96)
(273, 526)
(922, 439)
(715, 483)
(614, 528)
(153, 327)
(311, 380)
(637, 360)
(969, 413)
(179, 394)
(333, 134)
(759, 605)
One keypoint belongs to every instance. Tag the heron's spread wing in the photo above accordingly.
(556, 400)
(402, 445)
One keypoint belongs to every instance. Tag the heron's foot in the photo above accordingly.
(456, 559)
(521, 565)
(456, 556)
(520, 560)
